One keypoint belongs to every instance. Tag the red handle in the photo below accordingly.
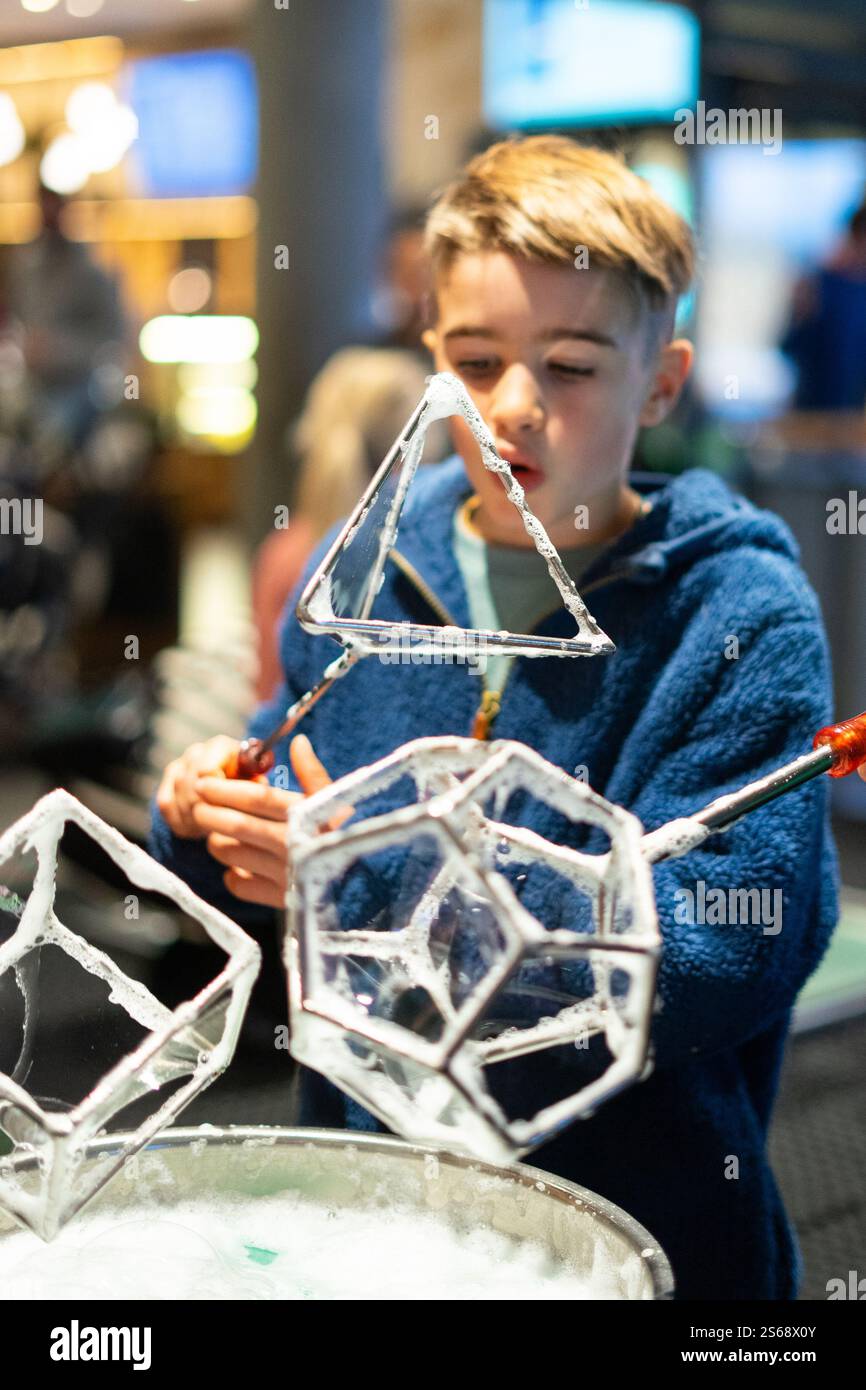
(848, 743)
(249, 761)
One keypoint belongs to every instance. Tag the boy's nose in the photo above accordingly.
(516, 403)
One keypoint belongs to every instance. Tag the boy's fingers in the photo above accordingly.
(165, 795)
(313, 776)
(258, 831)
(253, 798)
(177, 794)
(340, 817)
(235, 855)
(252, 889)
(209, 759)
(184, 798)
(164, 790)
(310, 772)
(173, 804)
(196, 757)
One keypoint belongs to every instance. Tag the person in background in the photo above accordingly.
(399, 304)
(354, 410)
(826, 337)
(355, 407)
(70, 317)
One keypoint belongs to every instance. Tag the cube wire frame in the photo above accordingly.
(362, 635)
(449, 812)
(54, 1142)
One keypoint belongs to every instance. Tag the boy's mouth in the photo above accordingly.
(524, 470)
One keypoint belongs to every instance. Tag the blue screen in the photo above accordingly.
(198, 123)
(766, 219)
(555, 62)
(793, 203)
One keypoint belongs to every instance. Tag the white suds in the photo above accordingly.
(284, 1247)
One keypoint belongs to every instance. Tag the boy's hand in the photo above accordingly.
(177, 793)
(245, 825)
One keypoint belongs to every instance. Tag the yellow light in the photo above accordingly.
(107, 126)
(160, 219)
(38, 6)
(66, 60)
(89, 105)
(65, 167)
(199, 338)
(226, 419)
(196, 376)
(106, 147)
(222, 414)
(12, 135)
(138, 219)
(189, 290)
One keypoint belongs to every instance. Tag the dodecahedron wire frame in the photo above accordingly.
(42, 1181)
(385, 498)
(394, 1068)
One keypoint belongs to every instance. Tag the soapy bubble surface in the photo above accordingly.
(283, 1247)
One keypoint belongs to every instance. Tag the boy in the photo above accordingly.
(557, 273)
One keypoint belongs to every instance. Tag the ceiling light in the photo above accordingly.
(203, 338)
(65, 167)
(189, 290)
(105, 148)
(12, 135)
(89, 105)
(83, 9)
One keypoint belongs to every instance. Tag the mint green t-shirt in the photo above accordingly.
(509, 587)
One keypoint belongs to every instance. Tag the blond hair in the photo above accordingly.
(546, 198)
(355, 407)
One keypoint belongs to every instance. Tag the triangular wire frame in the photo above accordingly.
(339, 597)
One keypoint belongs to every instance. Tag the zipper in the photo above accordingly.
(423, 588)
(491, 700)
(600, 583)
(491, 703)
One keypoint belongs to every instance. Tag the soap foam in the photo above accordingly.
(285, 1247)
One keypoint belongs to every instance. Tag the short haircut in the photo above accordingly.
(546, 197)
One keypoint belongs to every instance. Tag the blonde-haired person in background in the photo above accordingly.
(354, 410)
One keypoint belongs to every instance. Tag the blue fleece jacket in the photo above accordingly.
(678, 715)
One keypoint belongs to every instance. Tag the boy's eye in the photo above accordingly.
(478, 365)
(569, 369)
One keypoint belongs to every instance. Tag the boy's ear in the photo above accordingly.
(672, 366)
(428, 338)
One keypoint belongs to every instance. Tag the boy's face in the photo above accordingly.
(559, 363)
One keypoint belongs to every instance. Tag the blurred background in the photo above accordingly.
(211, 286)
